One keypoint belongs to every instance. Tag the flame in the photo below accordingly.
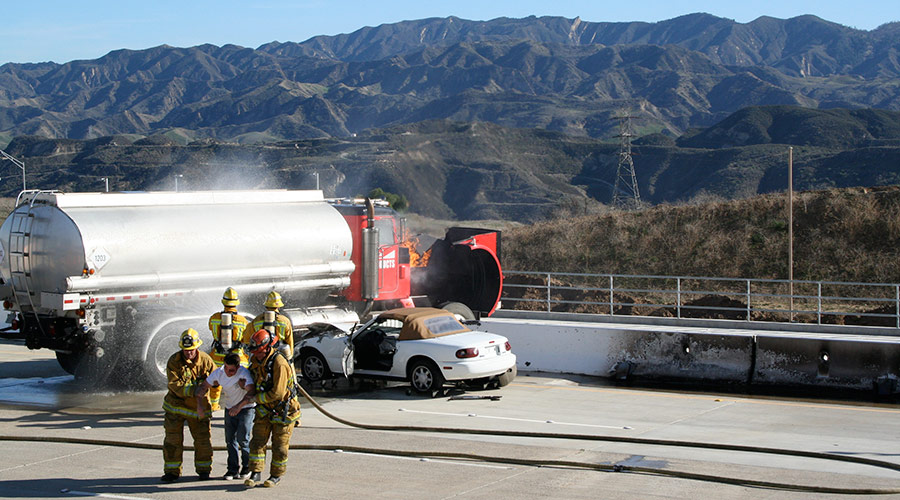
(415, 258)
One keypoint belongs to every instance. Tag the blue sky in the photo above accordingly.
(61, 31)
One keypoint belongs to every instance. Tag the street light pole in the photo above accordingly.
(106, 180)
(177, 176)
(317, 180)
(17, 163)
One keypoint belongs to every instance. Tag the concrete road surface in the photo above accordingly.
(38, 399)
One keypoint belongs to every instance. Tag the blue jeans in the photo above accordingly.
(237, 439)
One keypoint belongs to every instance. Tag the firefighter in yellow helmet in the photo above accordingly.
(278, 324)
(228, 320)
(277, 408)
(186, 370)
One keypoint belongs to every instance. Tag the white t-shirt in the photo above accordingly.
(232, 394)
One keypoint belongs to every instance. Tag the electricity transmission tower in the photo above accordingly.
(625, 191)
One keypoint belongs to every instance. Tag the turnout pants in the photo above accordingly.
(173, 444)
(281, 441)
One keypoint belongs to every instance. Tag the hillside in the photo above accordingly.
(565, 75)
(850, 235)
(453, 170)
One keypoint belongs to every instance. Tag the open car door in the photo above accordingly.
(347, 358)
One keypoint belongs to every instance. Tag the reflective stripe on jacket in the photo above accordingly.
(184, 377)
(240, 336)
(271, 400)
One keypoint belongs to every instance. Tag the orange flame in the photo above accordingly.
(415, 258)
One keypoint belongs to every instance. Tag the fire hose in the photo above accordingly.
(547, 463)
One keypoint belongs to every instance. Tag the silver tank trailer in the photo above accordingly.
(162, 241)
(137, 245)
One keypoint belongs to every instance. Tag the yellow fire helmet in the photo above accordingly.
(230, 298)
(190, 340)
(273, 300)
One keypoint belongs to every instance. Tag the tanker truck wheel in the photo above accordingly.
(68, 361)
(160, 349)
(459, 310)
(163, 345)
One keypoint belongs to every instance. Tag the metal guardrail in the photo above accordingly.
(828, 302)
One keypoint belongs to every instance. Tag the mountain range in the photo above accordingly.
(460, 170)
(552, 73)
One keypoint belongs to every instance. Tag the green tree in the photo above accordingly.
(397, 201)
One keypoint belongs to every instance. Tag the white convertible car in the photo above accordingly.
(428, 347)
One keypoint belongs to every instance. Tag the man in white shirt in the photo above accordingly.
(235, 381)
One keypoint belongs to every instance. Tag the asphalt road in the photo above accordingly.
(38, 399)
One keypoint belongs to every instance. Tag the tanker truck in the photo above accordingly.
(109, 280)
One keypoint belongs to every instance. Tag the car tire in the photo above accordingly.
(424, 377)
(505, 379)
(459, 309)
(313, 366)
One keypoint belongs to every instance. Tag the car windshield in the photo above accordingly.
(443, 324)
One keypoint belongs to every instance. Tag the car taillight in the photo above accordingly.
(507, 346)
(470, 352)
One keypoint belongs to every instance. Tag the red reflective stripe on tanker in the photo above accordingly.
(69, 301)
(127, 297)
(143, 296)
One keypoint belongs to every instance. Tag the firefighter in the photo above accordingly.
(277, 408)
(280, 326)
(237, 343)
(186, 370)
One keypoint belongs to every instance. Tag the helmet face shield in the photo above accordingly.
(260, 340)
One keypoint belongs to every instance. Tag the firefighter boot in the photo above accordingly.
(272, 481)
(254, 479)
(169, 477)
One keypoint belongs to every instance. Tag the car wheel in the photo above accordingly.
(313, 366)
(424, 377)
(504, 379)
(460, 310)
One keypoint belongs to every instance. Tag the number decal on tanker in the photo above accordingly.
(99, 258)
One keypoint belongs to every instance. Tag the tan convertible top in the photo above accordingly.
(414, 319)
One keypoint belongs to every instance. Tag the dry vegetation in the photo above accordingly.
(839, 235)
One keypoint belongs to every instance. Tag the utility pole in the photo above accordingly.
(626, 195)
(791, 228)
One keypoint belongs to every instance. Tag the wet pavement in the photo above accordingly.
(38, 399)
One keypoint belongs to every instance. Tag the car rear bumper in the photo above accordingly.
(477, 368)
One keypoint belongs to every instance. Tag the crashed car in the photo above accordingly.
(427, 347)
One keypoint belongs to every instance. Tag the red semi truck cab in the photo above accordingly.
(464, 267)
(393, 258)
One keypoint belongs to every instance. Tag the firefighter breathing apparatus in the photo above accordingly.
(225, 332)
